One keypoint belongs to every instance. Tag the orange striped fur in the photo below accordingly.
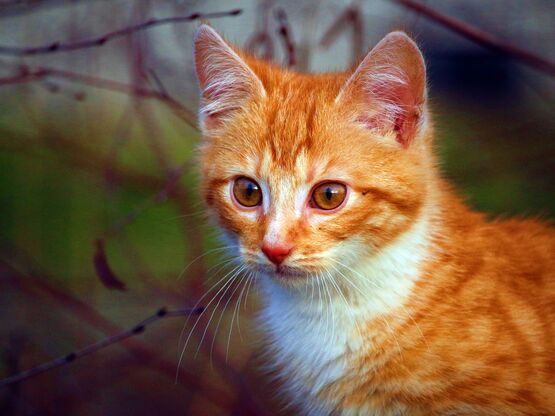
(402, 302)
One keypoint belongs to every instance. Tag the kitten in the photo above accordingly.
(383, 294)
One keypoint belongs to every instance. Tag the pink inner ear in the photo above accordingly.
(227, 95)
(388, 88)
(220, 100)
(226, 81)
(215, 118)
(391, 108)
(399, 126)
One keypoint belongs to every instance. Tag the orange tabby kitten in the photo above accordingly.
(383, 293)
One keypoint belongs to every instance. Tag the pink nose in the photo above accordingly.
(276, 253)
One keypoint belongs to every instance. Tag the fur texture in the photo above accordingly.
(402, 302)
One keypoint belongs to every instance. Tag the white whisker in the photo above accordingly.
(202, 313)
(248, 289)
(330, 309)
(379, 298)
(197, 304)
(214, 336)
(180, 276)
(347, 306)
(225, 288)
(235, 311)
(238, 306)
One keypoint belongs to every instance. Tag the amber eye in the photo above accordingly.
(328, 195)
(247, 192)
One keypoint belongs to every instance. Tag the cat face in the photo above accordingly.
(308, 172)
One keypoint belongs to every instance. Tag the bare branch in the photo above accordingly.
(139, 328)
(483, 38)
(169, 189)
(103, 269)
(284, 32)
(12, 8)
(81, 158)
(34, 284)
(37, 286)
(101, 40)
(350, 18)
(260, 43)
(158, 82)
(27, 75)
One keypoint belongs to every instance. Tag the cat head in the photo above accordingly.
(305, 172)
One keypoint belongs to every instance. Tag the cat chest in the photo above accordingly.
(324, 362)
(311, 353)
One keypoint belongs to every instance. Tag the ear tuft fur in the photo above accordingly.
(388, 88)
(225, 80)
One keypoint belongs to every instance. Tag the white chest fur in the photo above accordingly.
(314, 331)
(308, 341)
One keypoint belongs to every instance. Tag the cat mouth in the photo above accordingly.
(289, 272)
(285, 272)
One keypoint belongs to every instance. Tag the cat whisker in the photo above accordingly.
(345, 277)
(381, 318)
(202, 313)
(252, 278)
(235, 311)
(321, 302)
(377, 286)
(224, 309)
(248, 289)
(347, 305)
(197, 304)
(311, 279)
(225, 288)
(180, 276)
(201, 212)
(221, 265)
(330, 308)
(324, 302)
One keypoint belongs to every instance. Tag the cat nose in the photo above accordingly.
(276, 253)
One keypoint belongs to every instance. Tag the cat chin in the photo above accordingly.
(289, 274)
(286, 275)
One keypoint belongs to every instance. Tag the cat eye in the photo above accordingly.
(328, 195)
(247, 192)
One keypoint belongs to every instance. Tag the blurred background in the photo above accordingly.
(100, 220)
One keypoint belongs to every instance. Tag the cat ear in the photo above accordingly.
(388, 89)
(225, 80)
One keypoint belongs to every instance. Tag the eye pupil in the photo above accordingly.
(247, 193)
(329, 195)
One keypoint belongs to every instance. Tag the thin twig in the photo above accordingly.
(158, 82)
(284, 32)
(158, 197)
(260, 43)
(31, 283)
(27, 75)
(101, 40)
(78, 157)
(139, 328)
(483, 38)
(13, 8)
(103, 269)
(37, 286)
(350, 18)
